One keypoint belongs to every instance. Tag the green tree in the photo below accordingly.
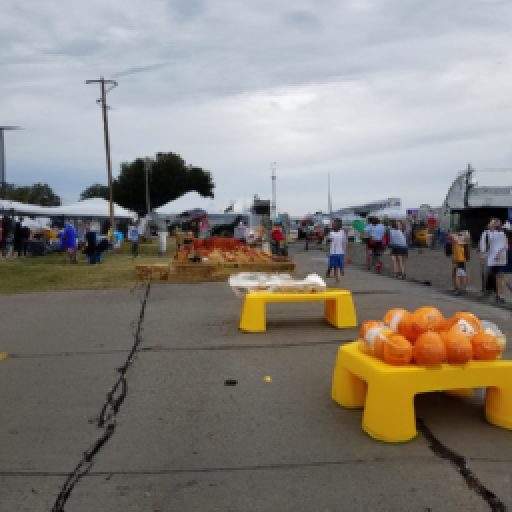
(39, 193)
(170, 178)
(96, 190)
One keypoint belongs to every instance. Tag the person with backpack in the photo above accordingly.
(374, 233)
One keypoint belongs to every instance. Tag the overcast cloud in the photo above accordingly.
(391, 97)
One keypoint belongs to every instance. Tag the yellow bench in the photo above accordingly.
(339, 308)
(387, 392)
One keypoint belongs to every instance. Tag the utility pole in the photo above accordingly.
(2, 157)
(103, 102)
(273, 212)
(147, 168)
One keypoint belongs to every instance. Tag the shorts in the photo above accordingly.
(336, 261)
(375, 246)
(498, 269)
(460, 265)
(399, 251)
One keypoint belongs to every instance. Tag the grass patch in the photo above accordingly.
(54, 272)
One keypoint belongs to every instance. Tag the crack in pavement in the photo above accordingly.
(217, 469)
(159, 348)
(221, 469)
(460, 462)
(106, 419)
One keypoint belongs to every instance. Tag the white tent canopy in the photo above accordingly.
(17, 208)
(188, 201)
(95, 207)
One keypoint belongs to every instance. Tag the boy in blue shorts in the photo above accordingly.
(338, 245)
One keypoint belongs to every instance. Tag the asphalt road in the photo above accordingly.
(185, 441)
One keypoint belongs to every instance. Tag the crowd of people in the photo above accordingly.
(394, 239)
(90, 238)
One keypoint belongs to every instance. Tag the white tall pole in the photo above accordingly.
(273, 213)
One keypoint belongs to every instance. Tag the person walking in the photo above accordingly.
(497, 258)
(375, 232)
(488, 285)
(460, 255)
(399, 249)
(337, 248)
(18, 238)
(133, 237)
(69, 241)
(278, 239)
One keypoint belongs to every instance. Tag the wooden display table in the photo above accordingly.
(387, 392)
(339, 308)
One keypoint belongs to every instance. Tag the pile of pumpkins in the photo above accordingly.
(426, 337)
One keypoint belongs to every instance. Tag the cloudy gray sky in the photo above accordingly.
(391, 97)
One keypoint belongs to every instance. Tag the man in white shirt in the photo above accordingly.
(497, 258)
(483, 249)
(338, 246)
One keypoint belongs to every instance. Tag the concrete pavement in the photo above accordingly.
(185, 441)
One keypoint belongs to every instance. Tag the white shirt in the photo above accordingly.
(337, 239)
(498, 245)
(397, 238)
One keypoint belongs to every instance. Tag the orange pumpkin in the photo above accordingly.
(470, 318)
(462, 326)
(406, 327)
(485, 347)
(427, 318)
(393, 316)
(377, 338)
(429, 349)
(458, 347)
(366, 326)
(397, 350)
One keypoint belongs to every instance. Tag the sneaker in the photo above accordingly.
(500, 300)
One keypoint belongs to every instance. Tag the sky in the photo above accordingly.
(391, 98)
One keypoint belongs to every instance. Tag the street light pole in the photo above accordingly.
(274, 177)
(103, 102)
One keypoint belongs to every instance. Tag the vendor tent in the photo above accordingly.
(91, 208)
(188, 201)
(8, 207)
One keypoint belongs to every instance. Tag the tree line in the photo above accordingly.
(169, 178)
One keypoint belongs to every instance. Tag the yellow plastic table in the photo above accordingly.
(387, 392)
(339, 308)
